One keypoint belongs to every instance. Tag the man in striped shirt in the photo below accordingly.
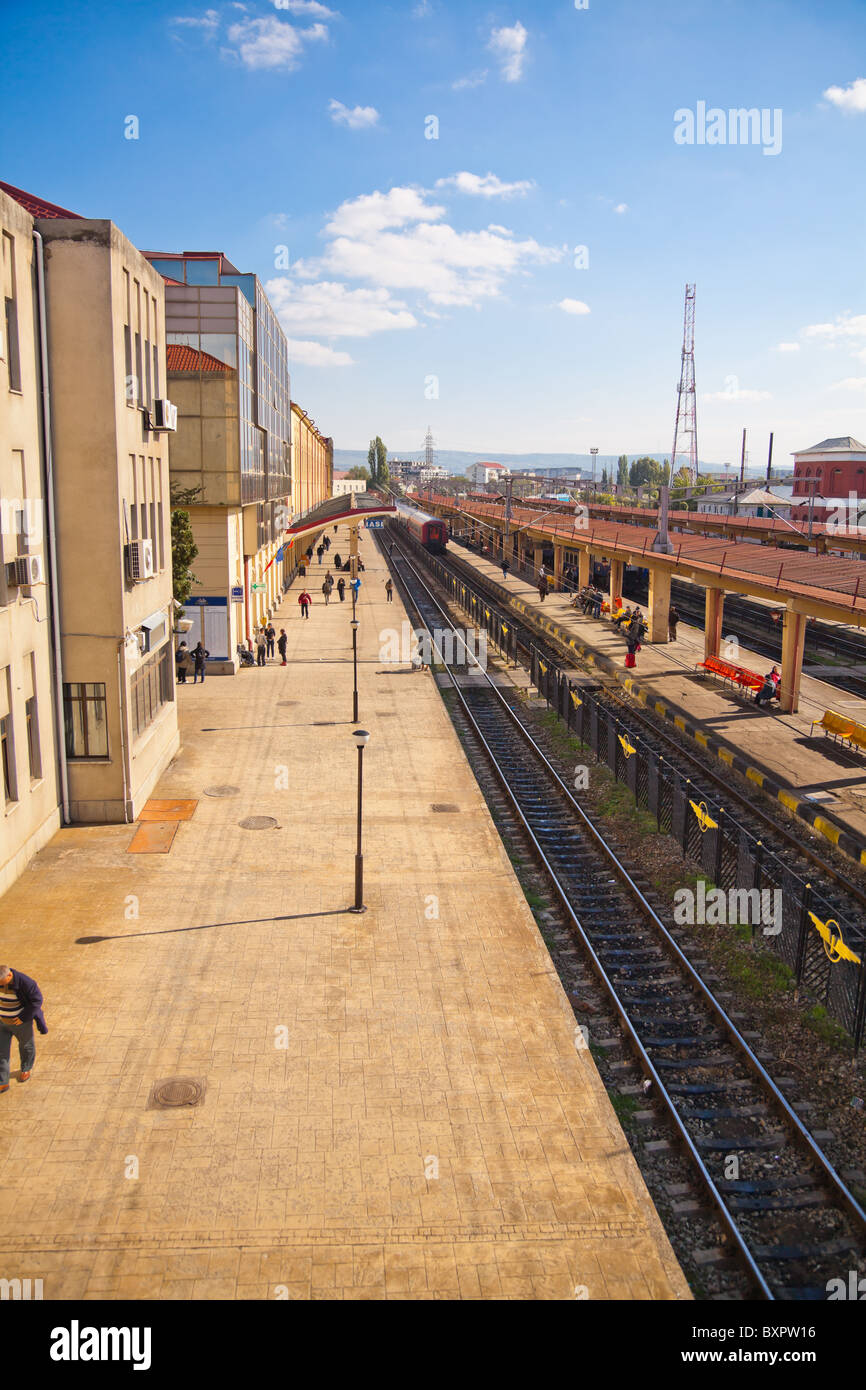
(20, 1004)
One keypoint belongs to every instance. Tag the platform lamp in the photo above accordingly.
(360, 736)
(354, 627)
(594, 453)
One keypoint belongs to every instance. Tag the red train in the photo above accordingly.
(429, 530)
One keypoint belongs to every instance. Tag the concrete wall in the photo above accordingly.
(107, 463)
(28, 820)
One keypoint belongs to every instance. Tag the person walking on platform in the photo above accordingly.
(199, 657)
(326, 542)
(542, 589)
(673, 619)
(20, 1007)
(304, 602)
(505, 569)
(633, 644)
(326, 590)
(355, 586)
(282, 644)
(261, 646)
(320, 550)
(341, 588)
(389, 589)
(338, 561)
(271, 635)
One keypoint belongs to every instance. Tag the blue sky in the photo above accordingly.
(301, 124)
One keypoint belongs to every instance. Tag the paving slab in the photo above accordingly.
(392, 1104)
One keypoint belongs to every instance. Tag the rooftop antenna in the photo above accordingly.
(686, 425)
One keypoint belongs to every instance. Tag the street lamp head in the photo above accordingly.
(361, 736)
(354, 623)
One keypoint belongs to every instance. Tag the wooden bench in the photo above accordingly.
(839, 726)
(739, 676)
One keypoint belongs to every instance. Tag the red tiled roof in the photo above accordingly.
(37, 207)
(180, 358)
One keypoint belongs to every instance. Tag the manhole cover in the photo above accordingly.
(176, 1091)
(259, 823)
(221, 791)
(444, 806)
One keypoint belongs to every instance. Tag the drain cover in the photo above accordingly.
(444, 806)
(176, 1091)
(221, 791)
(259, 823)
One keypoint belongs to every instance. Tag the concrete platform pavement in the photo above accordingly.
(773, 750)
(393, 1105)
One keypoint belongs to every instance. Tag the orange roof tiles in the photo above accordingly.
(180, 358)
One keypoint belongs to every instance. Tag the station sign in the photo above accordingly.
(237, 593)
(375, 523)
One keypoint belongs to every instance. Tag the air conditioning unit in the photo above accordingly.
(29, 569)
(163, 416)
(139, 560)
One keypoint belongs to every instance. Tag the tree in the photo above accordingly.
(622, 471)
(359, 471)
(644, 470)
(183, 546)
(371, 461)
(381, 462)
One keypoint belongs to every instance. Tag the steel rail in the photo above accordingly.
(802, 1134)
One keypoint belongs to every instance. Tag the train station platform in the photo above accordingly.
(387, 1106)
(819, 781)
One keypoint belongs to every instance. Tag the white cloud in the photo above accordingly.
(851, 98)
(503, 231)
(422, 9)
(308, 354)
(475, 79)
(850, 383)
(355, 117)
(509, 45)
(271, 43)
(399, 241)
(737, 395)
(309, 7)
(208, 22)
(788, 347)
(845, 326)
(327, 309)
(573, 306)
(485, 185)
(621, 207)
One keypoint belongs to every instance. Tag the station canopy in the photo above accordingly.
(353, 506)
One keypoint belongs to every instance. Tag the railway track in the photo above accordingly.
(790, 1222)
(843, 894)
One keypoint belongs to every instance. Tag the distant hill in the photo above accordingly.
(458, 460)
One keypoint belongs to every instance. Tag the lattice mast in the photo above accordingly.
(686, 425)
(429, 449)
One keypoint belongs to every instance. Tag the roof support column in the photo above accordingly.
(659, 602)
(537, 561)
(582, 567)
(558, 558)
(714, 610)
(793, 641)
(616, 573)
(353, 549)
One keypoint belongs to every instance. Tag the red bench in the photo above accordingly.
(739, 676)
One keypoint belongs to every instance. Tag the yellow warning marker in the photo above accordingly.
(627, 747)
(705, 820)
(576, 698)
(834, 947)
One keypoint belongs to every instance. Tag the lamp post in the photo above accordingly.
(594, 453)
(360, 736)
(354, 662)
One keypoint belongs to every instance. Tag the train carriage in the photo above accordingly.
(429, 530)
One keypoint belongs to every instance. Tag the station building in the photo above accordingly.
(90, 307)
(825, 477)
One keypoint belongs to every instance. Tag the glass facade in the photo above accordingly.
(228, 317)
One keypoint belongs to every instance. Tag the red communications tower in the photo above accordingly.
(686, 426)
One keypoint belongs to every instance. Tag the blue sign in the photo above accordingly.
(237, 593)
(375, 523)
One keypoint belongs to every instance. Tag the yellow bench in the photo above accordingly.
(837, 726)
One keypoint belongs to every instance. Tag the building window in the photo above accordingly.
(7, 752)
(33, 750)
(84, 717)
(151, 687)
(10, 297)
